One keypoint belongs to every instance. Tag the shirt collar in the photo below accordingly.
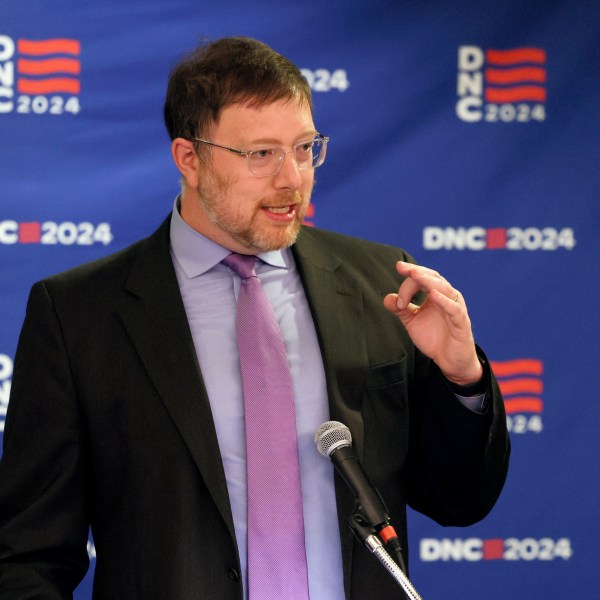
(196, 254)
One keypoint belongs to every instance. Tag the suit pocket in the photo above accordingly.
(386, 375)
(385, 414)
(386, 395)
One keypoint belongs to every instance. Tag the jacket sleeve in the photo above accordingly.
(43, 513)
(458, 458)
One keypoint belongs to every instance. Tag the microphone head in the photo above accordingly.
(332, 435)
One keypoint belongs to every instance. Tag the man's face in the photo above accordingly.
(244, 213)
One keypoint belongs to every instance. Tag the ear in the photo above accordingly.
(186, 160)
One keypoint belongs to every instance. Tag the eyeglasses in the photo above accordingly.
(264, 162)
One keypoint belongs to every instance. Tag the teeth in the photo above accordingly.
(280, 210)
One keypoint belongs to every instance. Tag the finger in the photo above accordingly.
(450, 305)
(423, 279)
(391, 302)
(455, 311)
(406, 268)
(426, 278)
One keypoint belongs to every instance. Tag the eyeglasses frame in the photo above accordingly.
(323, 138)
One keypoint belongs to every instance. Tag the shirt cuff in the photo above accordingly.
(477, 403)
(474, 396)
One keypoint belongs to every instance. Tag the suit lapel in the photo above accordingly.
(156, 321)
(337, 308)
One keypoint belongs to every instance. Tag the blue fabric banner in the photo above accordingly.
(465, 132)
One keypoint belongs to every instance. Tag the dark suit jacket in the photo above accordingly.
(109, 423)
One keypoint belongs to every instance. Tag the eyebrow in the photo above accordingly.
(276, 142)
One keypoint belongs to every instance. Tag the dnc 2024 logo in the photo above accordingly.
(522, 386)
(509, 549)
(501, 85)
(40, 76)
(499, 238)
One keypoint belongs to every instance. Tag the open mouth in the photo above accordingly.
(281, 212)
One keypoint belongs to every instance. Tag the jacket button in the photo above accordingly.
(233, 574)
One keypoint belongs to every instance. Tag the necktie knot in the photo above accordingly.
(241, 264)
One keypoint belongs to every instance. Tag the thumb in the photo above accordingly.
(391, 303)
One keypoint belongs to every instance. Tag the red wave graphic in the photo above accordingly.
(518, 366)
(523, 404)
(53, 46)
(523, 93)
(521, 379)
(505, 76)
(518, 55)
(49, 86)
(522, 385)
(49, 66)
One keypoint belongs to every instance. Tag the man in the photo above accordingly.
(127, 406)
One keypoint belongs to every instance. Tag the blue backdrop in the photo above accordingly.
(465, 131)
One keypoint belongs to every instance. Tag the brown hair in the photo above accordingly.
(224, 72)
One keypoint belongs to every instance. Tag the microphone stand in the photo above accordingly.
(366, 535)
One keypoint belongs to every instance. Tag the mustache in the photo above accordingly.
(283, 199)
(291, 197)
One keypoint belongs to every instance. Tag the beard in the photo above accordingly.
(247, 230)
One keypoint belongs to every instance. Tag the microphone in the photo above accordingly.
(333, 439)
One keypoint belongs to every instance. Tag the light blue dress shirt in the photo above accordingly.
(209, 291)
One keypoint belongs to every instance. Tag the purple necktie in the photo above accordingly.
(277, 568)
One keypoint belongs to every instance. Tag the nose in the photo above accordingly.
(289, 176)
